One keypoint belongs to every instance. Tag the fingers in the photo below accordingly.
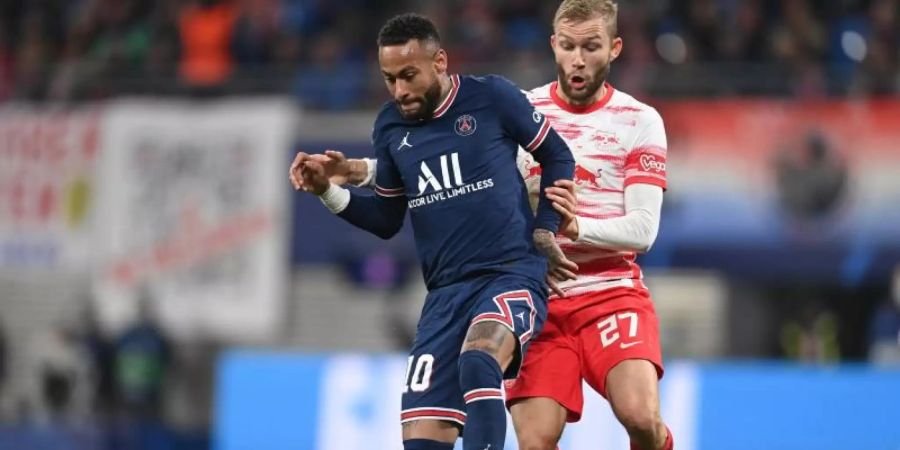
(298, 160)
(294, 172)
(562, 206)
(561, 193)
(322, 159)
(314, 167)
(555, 287)
(568, 185)
(335, 156)
(568, 264)
(562, 268)
(314, 178)
(562, 274)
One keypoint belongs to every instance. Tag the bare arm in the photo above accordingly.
(338, 169)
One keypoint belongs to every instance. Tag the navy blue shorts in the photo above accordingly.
(432, 380)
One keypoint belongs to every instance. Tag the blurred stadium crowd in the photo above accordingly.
(64, 50)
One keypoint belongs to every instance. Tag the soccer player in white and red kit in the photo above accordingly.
(604, 330)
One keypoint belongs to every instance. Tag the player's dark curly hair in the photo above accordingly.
(406, 27)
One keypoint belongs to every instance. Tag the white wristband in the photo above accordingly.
(368, 181)
(335, 198)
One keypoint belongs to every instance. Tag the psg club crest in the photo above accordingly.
(465, 125)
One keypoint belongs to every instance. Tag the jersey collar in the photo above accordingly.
(445, 105)
(566, 106)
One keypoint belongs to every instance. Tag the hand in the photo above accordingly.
(559, 267)
(341, 170)
(294, 173)
(338, 168)
(313, 178)
(562, 194)
(554, 288)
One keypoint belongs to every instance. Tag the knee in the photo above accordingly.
(478, 364)
(639, 418)
(492, 339)
(536, 439)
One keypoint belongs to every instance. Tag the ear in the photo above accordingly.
(553, 41)
(440, 61)
(616, 49)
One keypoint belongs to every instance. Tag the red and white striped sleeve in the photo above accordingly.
(646, 160)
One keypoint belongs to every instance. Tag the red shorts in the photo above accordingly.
(584, 337)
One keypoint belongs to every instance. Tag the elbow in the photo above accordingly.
(643, 246)
(388, 232)
(565, 158)
(646, 241)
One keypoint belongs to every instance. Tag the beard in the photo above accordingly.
(592, 84)
(428, 102)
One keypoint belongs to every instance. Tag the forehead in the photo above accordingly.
(396, 57)
(583, 30)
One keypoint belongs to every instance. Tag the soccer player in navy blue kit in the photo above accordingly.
(447, 150)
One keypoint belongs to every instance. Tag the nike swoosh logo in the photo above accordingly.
(623, 345)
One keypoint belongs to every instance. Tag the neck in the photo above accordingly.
(446, 86)
(586, 102)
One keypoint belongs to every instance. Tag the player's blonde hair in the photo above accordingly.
(582, 10)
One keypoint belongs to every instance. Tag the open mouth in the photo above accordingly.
(577, 82)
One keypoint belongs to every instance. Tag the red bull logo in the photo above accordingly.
(584, 176)
(604, 138)
(533, 171)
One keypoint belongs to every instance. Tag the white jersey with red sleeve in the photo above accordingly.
(617, 141)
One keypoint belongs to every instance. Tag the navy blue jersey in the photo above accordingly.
(457, 174)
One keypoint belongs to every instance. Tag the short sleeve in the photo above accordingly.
(646, 160)
(519, 118)
(388, 182)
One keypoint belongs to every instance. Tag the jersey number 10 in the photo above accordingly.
(421, 376)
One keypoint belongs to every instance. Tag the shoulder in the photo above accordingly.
(492, 83)
(624, 103)
(540, 93)
(387, 117)
(387, 113)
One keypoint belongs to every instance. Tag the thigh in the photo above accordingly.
(431, 389)
(632, 385)
(551, 371)
(625, 328)
(518, 304)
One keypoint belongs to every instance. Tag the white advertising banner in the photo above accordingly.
(192, 212)
(47, 163)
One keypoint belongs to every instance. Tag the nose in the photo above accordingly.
(578, 60)
(401, 90)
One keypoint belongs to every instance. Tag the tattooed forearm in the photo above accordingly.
(546, 244)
